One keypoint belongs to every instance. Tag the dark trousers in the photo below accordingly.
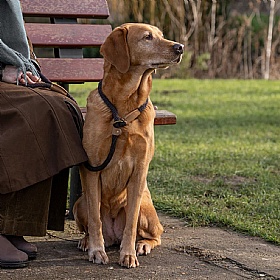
(32, 210)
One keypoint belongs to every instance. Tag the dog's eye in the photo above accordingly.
(149, 36)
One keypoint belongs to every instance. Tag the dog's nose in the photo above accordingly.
(178, 48)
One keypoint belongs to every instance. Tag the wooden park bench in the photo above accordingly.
(60, 31)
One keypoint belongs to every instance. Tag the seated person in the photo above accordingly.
(40, 138)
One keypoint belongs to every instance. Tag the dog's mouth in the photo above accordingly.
(178, 59)
(167, 64)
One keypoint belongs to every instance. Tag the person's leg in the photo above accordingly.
(24, 212)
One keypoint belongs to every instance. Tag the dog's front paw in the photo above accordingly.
(98, 256)
(128, 260)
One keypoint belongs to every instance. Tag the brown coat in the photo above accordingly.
(38, 136)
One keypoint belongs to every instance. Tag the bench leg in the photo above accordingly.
(75, 189)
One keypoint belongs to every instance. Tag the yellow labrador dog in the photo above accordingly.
(116, 205)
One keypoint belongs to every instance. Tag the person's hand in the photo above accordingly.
(11, 75)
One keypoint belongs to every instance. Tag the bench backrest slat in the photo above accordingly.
(67, 35)
(66, 8)
(72, 70)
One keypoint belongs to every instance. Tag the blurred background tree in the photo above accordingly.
(223, 38)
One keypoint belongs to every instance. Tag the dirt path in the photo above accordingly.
(186, 253)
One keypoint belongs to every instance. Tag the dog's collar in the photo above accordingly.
(117, 125)
(118, 121)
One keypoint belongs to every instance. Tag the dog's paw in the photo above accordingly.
(129, 261)
(98, 256)
(83, 244)
(143, 248)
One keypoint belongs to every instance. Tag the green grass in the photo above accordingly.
(220, 164)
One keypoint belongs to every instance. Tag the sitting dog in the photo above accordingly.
(118, 136)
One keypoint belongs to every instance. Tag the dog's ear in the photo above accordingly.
(115, 49)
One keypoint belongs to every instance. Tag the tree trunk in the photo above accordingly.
(269, 39)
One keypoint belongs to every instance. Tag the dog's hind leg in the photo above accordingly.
(80, 216)
(149, 228)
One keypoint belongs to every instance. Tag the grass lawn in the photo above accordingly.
(220, 164)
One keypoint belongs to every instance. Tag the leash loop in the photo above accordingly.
(119, 123)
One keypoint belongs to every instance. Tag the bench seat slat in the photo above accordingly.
(72, 70)
(67, 35)
(66, 8)
(163, 117)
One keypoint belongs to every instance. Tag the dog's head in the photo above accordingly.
(135, 44)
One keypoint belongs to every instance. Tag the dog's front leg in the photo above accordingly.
(92, 191)
(135, 188)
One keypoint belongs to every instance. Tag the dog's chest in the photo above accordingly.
(116, 180)
(116, 177)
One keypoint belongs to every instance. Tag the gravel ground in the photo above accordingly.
(185, 253)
